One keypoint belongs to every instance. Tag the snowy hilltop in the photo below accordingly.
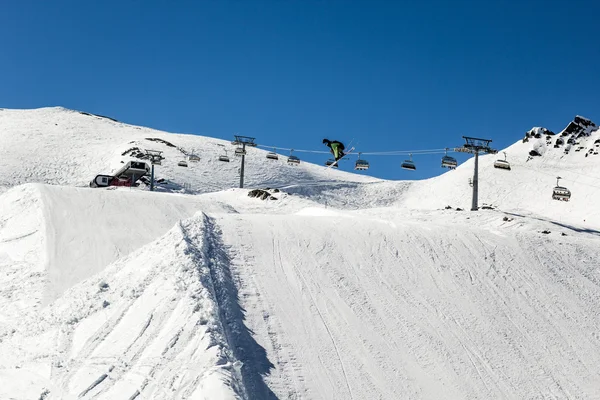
(312, 283)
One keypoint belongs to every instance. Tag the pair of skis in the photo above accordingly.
(333, 164)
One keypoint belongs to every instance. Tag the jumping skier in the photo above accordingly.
(337, 148)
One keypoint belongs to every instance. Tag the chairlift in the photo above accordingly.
(560, 192)
(330, 162)
(193, 158)
(224, 157)
(449, 162)
(502, 164)
(361, 164)
(239, 151)
(272, 155)
(292, 159)
(182, 163)
(409, 164)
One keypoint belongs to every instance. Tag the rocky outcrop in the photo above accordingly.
(538, 132)
(573, 137)
(261, 194)
(580, 126)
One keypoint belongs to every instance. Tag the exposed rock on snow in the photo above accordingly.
(261, 194)
(538, 132)
(580, 126)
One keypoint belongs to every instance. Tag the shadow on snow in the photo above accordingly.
(240, 339)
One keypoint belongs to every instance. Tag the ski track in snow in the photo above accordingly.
(345, 287)
(490, 286)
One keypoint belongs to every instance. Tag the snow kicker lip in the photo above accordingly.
(252, 356)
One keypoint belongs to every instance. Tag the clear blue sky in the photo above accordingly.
(392, 75)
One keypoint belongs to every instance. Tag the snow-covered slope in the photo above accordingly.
(59, 146)
(65, 147)
(344, 287)
(328, 304)
(527, 187)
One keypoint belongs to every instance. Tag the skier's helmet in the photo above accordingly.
(325, 140)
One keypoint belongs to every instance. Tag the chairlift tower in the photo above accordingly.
(155, 158)
(476, 146)
(243, 141)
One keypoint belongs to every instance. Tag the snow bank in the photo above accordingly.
(22, 253)
(150, 324)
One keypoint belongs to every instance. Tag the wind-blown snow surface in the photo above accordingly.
(345, 287)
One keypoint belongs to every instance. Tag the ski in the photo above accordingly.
(345, 154)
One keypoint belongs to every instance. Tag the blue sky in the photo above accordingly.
(391, 75)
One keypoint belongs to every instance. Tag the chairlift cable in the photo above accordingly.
(370, 153)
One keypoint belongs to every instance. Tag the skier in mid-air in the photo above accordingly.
(337, 148)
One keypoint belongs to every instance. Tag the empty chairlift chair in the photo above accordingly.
(272, 155)
(239, 151)
(560, 192)
(449, 162)
(361, 164)
(502, 164)
(331, 161)
(409, 164)
(182, 163)
(292, 159)
(224, 157)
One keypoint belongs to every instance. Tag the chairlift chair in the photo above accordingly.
(292, 159)
(193, 158)
(409, 164)
(272, 155)
(239, 151)
(502, 164)
(331, 161)
(361, 164)
(182, 163)
(223, 157)
(449, 162)
(560, 193)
